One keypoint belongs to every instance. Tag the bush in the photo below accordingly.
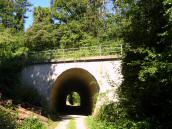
(109, 112)
(113, 116)
(7, 120)
(12, 58)
(125, 123)
(31, 123)
(146, 90)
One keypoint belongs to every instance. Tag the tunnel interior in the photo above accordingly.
(78, 81)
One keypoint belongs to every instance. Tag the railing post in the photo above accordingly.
(121, 50)
(110, 52)
(37, 57)
(100, 50)
(63, 54)
(75, 55)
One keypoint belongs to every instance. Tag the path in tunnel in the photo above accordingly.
(78, 119)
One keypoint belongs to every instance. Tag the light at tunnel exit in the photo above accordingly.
(73, 99)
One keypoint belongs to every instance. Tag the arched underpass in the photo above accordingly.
(75, 80)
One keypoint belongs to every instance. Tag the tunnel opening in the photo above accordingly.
(74, 82)
(73, 99)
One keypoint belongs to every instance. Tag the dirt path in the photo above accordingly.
(63, 124)
(79, 122)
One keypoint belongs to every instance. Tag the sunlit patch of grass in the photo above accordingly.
(71, 124)
(52, 125)
(95, 124)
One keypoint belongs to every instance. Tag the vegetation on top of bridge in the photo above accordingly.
(75, 53)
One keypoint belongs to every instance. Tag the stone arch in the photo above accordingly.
(75, 80)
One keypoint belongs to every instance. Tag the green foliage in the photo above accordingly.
(80, 23)
(110, 112)
(70, 34)
(144, 90)
(31, 123)
(73, 35)
(93, 123)
(20, 8)
(7, 119)
(42, 15)
(74, 99)
(168, 7)
(114, 116)
(6, 13)
(12, 51)
(12, 44)
(145, 94)
(12, 13)
(69, 10)
(77, 23)
(41, 36)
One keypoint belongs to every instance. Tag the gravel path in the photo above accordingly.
(62, 124)
(79, 121)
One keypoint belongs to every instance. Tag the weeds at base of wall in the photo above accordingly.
(113, 116)
(94, 123)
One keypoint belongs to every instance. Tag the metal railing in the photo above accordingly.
(75, 53)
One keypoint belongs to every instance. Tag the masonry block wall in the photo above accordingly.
(43, 77)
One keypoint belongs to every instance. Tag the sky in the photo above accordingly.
(44, 3)
(35, 3)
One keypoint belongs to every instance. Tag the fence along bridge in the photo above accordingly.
(88, 71)
(76, 54)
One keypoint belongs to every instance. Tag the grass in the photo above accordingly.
(52, 125)
(71, 124)
(95, 124)
(32, 123)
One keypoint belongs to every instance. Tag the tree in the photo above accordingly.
(20, 8)
(68, 10)
(42, 35)
(89, 13)
(42, 15)
(146, 89)
(12, 13)
(6, 13)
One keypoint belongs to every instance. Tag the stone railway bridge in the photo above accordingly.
(95, 79)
